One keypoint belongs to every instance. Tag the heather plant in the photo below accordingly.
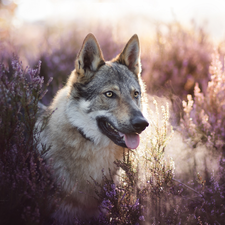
(158, 171)
(121, 203)
(203, 122)
(25, 182)
(204, 117)
(57, 61)
(179, 58)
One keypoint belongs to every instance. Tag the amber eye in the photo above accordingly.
(109, 94)
(136, 94)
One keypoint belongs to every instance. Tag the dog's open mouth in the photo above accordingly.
(129, 140)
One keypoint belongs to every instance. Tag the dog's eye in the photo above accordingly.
(136, 94)
(109, 94)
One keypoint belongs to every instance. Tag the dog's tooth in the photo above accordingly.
(111, 126)
(115, 129)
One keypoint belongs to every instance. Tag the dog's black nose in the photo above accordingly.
(139, 123)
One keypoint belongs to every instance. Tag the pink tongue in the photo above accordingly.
(132, 140)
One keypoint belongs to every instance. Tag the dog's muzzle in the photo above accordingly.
(124, 138)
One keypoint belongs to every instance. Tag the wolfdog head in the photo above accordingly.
(104, 101)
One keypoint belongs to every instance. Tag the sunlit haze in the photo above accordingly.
(204, 12)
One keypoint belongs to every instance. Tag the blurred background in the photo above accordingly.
(177, 38)
(141, 13)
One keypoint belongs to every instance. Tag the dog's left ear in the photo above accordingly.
(90, 57)
(130, 56)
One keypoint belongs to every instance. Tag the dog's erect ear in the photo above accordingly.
(130, 56)
(90, 57)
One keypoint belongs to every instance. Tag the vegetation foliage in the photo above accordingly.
(180, 66)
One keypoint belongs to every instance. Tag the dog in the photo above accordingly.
(97, 116)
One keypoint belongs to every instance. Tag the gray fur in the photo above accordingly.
(83, 111)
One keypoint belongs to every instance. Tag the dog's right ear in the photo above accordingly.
(90, 57)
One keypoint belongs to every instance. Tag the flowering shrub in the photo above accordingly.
(204, 118)
(158, 171)
(203, 122)
(179, 58)
(25, 183)
(176, 59)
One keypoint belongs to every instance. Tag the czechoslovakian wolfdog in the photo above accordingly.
(97, 116)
